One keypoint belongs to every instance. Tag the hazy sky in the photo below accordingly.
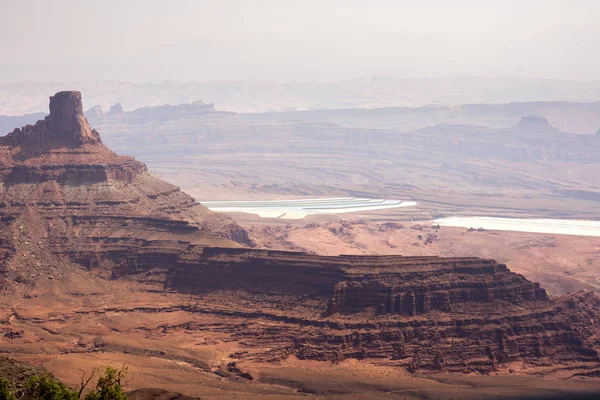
(297, 39)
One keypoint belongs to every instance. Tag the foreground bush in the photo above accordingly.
(109, 386)
(46, 387)
(5, 393)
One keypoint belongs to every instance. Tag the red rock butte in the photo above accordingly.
(59, 180)
(66, 124)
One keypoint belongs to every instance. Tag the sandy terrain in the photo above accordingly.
(126, 322)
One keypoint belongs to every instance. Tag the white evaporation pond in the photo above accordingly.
(300, 208)
(555, 226)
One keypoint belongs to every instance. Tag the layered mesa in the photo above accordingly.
(63, 188)
(452, 314)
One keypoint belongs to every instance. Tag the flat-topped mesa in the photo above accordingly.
(535, 123)
(423, 313)
(66, 124)
(350, 284)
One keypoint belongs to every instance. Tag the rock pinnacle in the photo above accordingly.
(66, 120)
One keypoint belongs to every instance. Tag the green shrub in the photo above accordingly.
(109, 386)
(5, 393)
(45, 387)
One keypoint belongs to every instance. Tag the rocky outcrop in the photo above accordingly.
(8, 123)
(383, 284)
(61, 187)
(94, 112)
(65, 126)
(452, 314)
(115, 109)
(66, 119)
(535, 122)
(423, 284)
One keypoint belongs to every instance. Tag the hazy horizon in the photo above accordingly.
(332, 80)
(287, 41)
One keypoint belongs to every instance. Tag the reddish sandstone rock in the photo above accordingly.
(431, 313)
(61, 187)
(65, 126)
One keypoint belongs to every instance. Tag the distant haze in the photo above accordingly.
(151, 40)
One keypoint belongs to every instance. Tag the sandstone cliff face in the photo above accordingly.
(452, 314)
(65, 126)
(62, 187)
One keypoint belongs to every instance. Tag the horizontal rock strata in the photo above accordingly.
(419, 312)
(63, 193)
(67, 201)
